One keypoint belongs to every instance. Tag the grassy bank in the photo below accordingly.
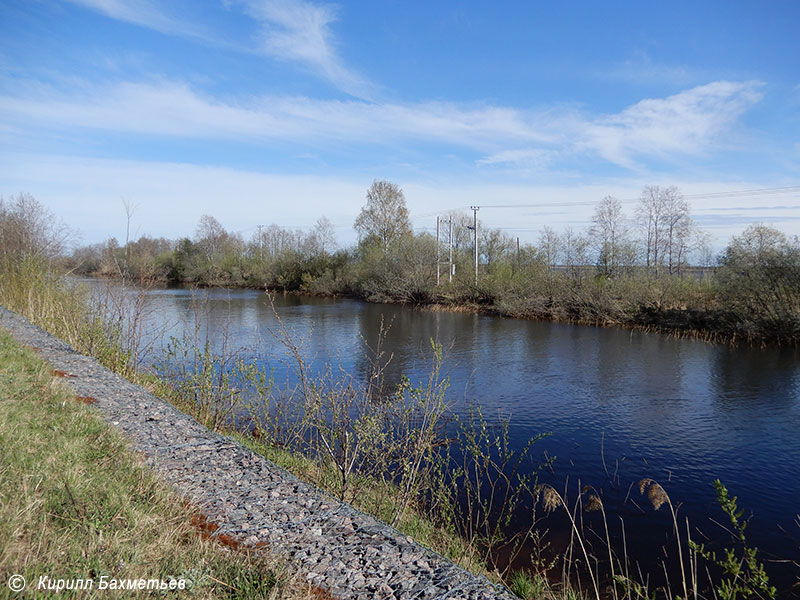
(75, 503)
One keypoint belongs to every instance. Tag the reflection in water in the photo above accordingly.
(681, 411)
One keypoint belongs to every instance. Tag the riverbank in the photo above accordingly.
(752, 296)
(64, 308)
(248, 503)
(77, 508)
(672, 306)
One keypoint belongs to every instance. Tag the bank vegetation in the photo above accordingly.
(652, 269)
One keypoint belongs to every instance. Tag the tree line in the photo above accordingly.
(621, 270)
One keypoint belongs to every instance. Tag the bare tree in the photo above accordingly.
(669, 232)
(385, 215)
(550, 245)
(210, 236)
(575, 249)
(609, 233)
(129, 210)
(679, 229)
(462, 234)
(649, 216)
(325, 234)
(703, 249)
(28, 229)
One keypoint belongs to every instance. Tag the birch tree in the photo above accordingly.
(385, 216)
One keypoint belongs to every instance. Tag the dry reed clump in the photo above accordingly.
(655, 493)
(593, 503)
(550, 498)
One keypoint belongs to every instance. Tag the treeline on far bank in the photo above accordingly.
(632, 271)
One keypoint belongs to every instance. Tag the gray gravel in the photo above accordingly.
(255, 502)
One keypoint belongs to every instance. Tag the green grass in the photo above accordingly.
(76, 503)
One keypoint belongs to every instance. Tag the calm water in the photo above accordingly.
(680, 411)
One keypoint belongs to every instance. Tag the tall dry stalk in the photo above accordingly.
(658, 497)
(552, 500)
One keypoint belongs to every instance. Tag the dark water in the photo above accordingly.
(680, 411)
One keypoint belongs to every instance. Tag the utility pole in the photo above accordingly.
(438, 259)
(474, 228)
(260, 244)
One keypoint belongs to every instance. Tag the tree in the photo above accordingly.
(649, 216)
(385, 216)
(669, 232)
(679, 229)
(575, 250)
(759, 279)
(325, 235)
(609, 234)
(210, 236)
(28, 229)
(495, 245)
(462, 232)
(277, 240)
(704, 249)
(756, 243)
(575, 247)
(550, 245)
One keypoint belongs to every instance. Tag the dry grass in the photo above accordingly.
(76, 503)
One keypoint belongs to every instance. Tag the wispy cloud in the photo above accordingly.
(293, 30)
(146, 13)
(298, 30)
(175, 109)
(526, 160)
(687, 123)
(641, 69)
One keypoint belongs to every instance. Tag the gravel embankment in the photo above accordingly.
(253, 502)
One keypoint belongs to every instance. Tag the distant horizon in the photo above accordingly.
(282, 111)
(717, 244)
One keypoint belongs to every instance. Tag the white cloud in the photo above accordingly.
(687, 123)
(295, 30)
(174, 109)
(527, 159)
(145, 13)
(300, 31)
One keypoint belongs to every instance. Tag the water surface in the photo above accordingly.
(619, 405)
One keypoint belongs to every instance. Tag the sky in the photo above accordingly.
(282, 111)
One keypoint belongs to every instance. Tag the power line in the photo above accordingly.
(705, 195)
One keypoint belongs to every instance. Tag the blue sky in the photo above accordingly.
(262, 111)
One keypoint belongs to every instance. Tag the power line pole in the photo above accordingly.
(474, 228)
(438, 259)
(260, 244)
